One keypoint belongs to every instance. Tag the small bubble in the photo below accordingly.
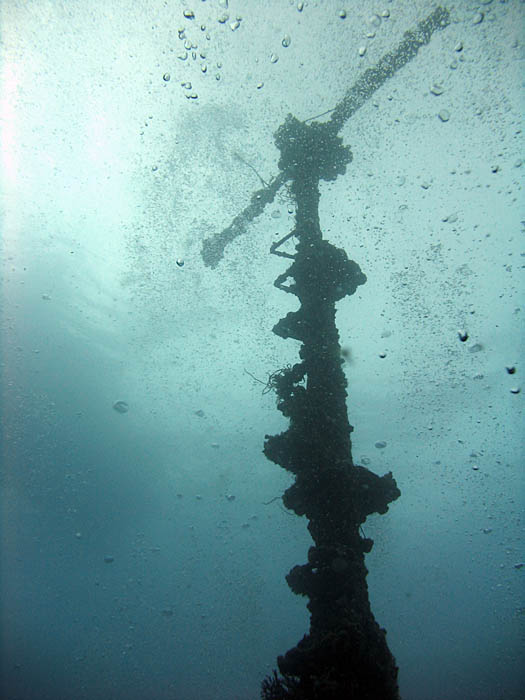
(179, 262)
(436, 89)
(189, 14)
(515, 390)
(361, 51)
(444, 115)
(260, 85)
(459, 46)
(274, 58)
(166, 77)
(342, 14)
(300, 6)
(477, 347)
(478, 18)
(286, 41)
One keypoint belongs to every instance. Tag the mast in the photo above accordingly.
(345, 653)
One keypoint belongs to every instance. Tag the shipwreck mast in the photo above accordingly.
(345, 654)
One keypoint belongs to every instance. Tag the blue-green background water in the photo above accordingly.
(138, 558)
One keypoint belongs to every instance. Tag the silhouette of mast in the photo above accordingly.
(345, 653)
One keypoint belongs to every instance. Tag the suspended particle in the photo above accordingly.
(380, 444)
(121, 407)
(199, 413)
(189, 14)
(183, 56)
(260, 86)
(459, 46)
(179, 262)
(166, 77)
(361, 51)
(300, 6)
(436, 89)
(385, 14)
(204, 67)
(510, 369)
(274, 58)
(286, 41)
(475, 467)
(109, 559)
(235, 25)
(444, 115)
(223, 18)
(375, 20)
(223, 4)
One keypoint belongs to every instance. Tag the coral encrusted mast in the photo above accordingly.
(345, 654)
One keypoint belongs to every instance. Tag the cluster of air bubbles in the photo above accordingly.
(192, 50)
(373, 24)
